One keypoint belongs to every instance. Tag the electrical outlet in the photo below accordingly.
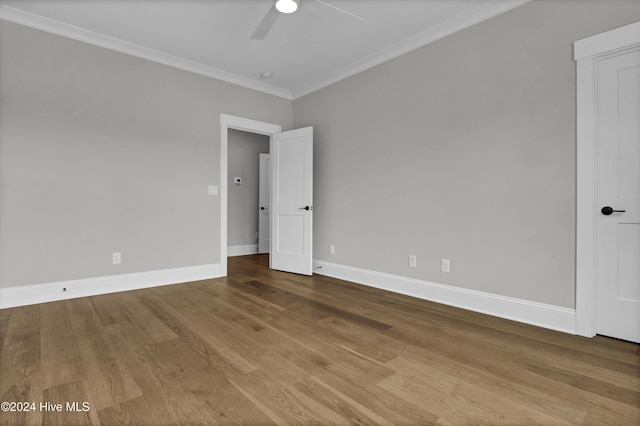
(332, 249)
(116, 258)
(413, 261)
(444, 265)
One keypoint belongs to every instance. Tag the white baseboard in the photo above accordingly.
(534, 313)
(242, 250)
(49, 292)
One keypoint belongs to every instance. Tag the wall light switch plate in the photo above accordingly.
(213, 190)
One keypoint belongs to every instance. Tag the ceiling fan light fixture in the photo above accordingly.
(287, 6)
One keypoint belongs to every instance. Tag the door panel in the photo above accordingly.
(629, 262)
(291, 227)
(292, 201)
(291, 171)
(618, 187)
(264, 204)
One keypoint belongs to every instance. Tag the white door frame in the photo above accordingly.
(587, 52)
(247, 125)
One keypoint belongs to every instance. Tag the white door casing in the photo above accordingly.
(264, 204)
(608, 157)
(239, 123)
(292, 201)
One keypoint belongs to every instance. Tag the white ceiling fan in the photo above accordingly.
(287, 7)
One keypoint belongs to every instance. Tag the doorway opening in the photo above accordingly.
(227, 124)
(248, 189)
(291, 207)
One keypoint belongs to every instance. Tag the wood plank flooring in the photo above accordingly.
(262, 347)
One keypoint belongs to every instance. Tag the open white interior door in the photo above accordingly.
(292, 201)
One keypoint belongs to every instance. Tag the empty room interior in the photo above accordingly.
(348, 212)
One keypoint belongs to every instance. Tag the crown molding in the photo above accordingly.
(458, 23)
(451, 26)
(31, 20)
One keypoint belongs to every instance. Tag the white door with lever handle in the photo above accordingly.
(292, 201)
(618, 195)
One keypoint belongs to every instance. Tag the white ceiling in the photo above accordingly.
(312, 48)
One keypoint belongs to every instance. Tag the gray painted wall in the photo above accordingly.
(463, 149)
(103, 152)
(242, 205)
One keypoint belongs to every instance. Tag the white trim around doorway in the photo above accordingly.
(247, 125)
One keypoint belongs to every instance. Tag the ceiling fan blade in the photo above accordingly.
(341, 10)
(265, 25)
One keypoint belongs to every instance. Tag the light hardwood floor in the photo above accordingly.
(264, 347)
